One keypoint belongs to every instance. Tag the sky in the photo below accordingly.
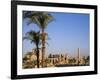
(68, 32)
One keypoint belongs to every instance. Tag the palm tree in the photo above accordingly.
(88, 59)
(74, 60)
(42, 19)
(84, 60)
(35, 38)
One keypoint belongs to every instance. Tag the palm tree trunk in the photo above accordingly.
(37, 56)
(43, 47)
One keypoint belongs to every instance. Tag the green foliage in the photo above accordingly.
(39, 18)
(42, 19)
(71, 61)
(34, 37)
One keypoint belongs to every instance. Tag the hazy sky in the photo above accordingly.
(67, 32)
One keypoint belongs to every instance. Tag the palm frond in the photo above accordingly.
(33, 36)
(48, 18)
(30, 14)
(42, 19)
